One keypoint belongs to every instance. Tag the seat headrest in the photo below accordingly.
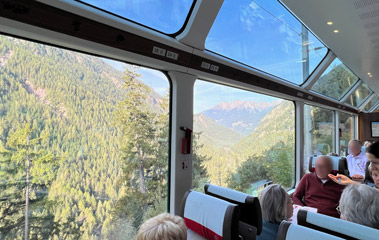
(335, 226)
(210, 217)
(250, 208)
(339, 164)
(289, 231)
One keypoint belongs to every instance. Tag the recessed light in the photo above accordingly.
(369, 73)
(336, 31)
(329, 23)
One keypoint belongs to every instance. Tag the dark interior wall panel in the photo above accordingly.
(364, 126)
(54, 19)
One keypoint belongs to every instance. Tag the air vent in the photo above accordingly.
(364, 3)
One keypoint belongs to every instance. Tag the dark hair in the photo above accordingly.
(373, 149)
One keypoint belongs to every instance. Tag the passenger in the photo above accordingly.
(317, 190)
(276, 206)
(367, 143)
(356, 160)
(372, 154)
(360, 204)
(374, 172)
(163, 226)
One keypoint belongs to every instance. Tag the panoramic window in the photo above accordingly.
(264, 35)
(83, 144)
(319, 132)
(167, 16)
(242, 140)
(336, 81)
(359, 95)
(374, 101)
(346, 131)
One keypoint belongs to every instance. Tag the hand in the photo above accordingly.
(358, 177)
(341, 179)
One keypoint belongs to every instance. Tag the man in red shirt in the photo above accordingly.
(317, 190)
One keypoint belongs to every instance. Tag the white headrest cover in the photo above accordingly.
(347, 228)
(296, 232)
(228, 193)
(204, 215)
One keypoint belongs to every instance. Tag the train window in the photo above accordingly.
(242, 140)
(166, 16)
(319, 129)
(336, 81)
(265, 35)
(346, 131)
(374, 101)
(85, 137)
(359, 95)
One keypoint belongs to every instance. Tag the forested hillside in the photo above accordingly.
(67, 115)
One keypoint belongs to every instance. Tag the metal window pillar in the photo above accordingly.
(181, 116)
(337, 132)
(299, 139)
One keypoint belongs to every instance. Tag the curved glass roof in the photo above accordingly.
(336, 81)
(265, 35)
(166, 16)
(359, 95)
(371, 103)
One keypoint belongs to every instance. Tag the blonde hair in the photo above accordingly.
(164, 226)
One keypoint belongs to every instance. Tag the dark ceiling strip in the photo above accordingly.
(54, 19)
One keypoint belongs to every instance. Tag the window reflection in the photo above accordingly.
(336, 81)
(359, 96)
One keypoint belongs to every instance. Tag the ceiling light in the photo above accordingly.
(329, 23)
(336, 31)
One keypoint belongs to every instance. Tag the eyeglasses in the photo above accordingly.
(338, 210)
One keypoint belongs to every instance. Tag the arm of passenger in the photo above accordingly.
(297, 197)
(341, 179)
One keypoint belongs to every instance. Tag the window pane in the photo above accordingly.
(346, 130)
(167, 16)
(359, 96)
(242, 139)
(336, 81)
(264, 35)
(93, 135)
(371, 103)
(318, 132)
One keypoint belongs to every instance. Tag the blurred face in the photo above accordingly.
(354, 148)
(375, 177)
(289, 207)
(368, 144)
(323, 167)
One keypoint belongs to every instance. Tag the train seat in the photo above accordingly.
(207, 217)
(289, 231)
(335, 226)
(250, 207)
(339, 164)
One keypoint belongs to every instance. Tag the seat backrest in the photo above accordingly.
(339, 165)
(250, 207)
(289, 231)
(335, 226)
(210, 217)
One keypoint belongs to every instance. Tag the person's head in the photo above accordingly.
(374, 172)
(372, 152)
(163, 226)
(323, 166)
(355, 147)
(368, 143)
(359, 203)
(332, 154)
(276, 204)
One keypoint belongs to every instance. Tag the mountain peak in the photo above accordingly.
(244, 105)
